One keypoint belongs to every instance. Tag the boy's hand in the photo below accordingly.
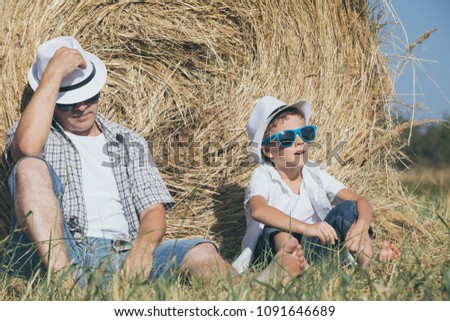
(357, 236)
(324, 231)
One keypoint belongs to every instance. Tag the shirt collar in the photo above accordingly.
(275, 176)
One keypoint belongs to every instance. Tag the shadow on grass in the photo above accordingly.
(230, 218)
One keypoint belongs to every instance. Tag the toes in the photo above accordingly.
(291, 245)
(302, 258)
(299, 252)
(388, 253)
(394, 252)
(302, 266)
(385, 244)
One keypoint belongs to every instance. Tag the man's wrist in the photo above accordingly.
(145, 247)
(53, 75)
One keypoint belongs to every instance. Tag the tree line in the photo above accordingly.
(430, 145)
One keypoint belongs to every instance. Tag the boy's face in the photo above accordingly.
(294, 156)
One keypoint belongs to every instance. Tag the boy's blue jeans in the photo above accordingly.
(341, 218)
(88, 255)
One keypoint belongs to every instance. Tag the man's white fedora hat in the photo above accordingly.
(263, 112)
(81, 84)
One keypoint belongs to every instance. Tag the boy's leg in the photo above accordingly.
(289, 262)
(37, 236)
(341, 218)
(282, 254)
(270, 242)
(279, 239)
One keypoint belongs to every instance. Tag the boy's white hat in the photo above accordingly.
(81, 84)
(263, 112)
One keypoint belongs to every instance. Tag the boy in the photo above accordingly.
(286, 197)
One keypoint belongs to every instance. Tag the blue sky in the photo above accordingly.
(433, 55)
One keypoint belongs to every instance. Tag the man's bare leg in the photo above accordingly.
(37, 210)
(205, 264)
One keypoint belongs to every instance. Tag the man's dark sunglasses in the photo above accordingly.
(67, 107)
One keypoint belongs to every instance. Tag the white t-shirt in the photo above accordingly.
(105, 214)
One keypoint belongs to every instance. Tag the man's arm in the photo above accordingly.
(34, 125)
(152, 229)
(29, 140)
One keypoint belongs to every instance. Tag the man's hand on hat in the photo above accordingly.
(65, 61)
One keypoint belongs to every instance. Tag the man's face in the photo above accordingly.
(292, 156)
(80, 120)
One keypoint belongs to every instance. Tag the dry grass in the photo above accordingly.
(427, 180)
(190, 71)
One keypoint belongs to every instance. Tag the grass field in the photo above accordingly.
(423, 273)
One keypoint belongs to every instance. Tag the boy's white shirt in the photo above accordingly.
(317, 192)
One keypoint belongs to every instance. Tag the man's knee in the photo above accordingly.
(31, 164)
(30, 170)
(30, 186)
(203, 253)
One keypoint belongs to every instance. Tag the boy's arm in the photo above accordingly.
(262, 212)
(358, 232)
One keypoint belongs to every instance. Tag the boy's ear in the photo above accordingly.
(266, 151)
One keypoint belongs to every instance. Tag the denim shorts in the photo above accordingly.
(341, 218)
(90, 253)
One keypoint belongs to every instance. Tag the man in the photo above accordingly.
(74, 206)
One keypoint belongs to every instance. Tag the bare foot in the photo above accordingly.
(288, 263)
(388, 252)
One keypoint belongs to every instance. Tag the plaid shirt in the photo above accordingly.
(137, 176)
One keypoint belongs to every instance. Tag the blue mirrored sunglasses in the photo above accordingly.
(67, 107)
(286, 138)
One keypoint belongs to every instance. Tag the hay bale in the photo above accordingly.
(186, 74)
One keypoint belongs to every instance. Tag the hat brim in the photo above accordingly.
(83, 93)
(255, 149)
